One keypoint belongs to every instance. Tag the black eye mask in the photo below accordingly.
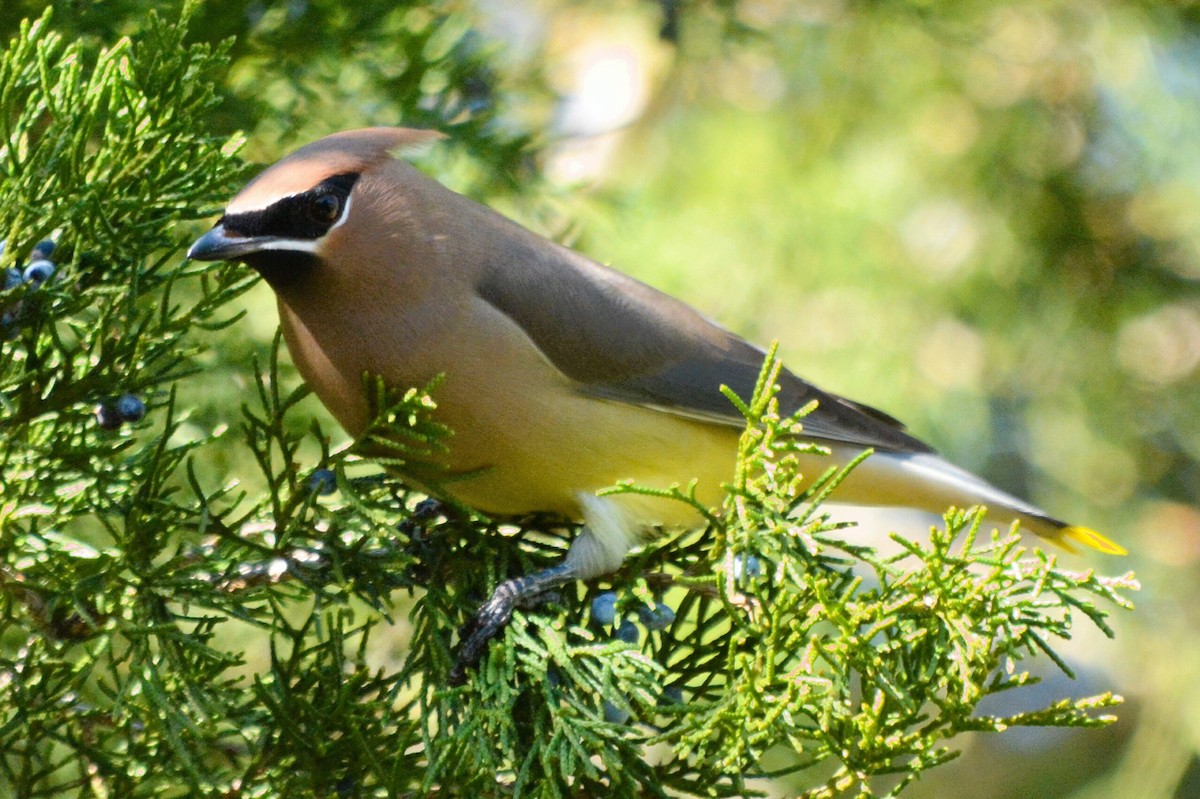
(306, 216)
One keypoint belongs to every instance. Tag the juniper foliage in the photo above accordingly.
(162, 634)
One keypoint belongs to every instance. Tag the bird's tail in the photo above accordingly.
(1070, 536)
(928, 482)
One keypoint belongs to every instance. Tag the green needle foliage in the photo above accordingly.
(164, 636)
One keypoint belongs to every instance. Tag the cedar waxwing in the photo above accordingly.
(562, 376)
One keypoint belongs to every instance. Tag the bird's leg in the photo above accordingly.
(491, 617)
(600, 547)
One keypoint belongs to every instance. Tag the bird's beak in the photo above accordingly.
(219, 244)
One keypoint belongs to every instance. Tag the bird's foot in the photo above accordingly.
(493, 615)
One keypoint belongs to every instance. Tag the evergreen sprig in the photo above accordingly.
(102, 676)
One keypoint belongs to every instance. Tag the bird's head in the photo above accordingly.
(288, 218)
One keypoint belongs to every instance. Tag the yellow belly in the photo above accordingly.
(585, 445)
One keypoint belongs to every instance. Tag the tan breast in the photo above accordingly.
(535, 442)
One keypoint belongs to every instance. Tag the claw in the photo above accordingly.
(477, 633)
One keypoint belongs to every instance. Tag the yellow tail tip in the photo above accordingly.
(1090, 538)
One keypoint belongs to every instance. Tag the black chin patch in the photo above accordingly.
(282, 268)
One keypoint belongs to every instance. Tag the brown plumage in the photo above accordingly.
(562, 376)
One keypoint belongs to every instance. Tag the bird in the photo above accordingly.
(560, 377)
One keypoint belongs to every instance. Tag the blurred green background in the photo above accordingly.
(983, 217)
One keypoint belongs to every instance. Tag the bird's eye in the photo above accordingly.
(325, 208)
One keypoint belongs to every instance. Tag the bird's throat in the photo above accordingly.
(283, 269)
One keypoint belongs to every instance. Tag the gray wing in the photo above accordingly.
(622, 340)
